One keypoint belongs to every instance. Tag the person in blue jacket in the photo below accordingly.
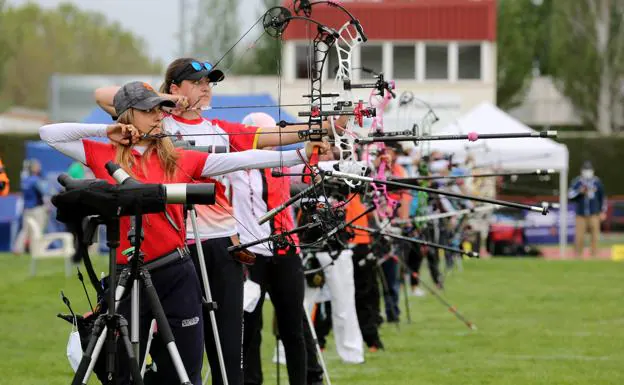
(35, 191)
(591, 207)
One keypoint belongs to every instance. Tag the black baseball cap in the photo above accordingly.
(138, 95)
(195, 70)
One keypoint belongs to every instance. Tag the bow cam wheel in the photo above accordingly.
(276, 20)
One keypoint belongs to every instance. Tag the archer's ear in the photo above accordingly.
(174, 89)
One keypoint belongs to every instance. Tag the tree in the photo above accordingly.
(519, 42)
(587, 54)
(263, 57)
(63, 40)
(5, 52)
(215, 31)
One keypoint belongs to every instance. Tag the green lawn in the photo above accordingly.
(539, 322)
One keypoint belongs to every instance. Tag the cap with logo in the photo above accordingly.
(140, 96)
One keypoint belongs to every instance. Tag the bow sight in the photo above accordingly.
(381, 85)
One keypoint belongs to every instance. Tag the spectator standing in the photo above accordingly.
(591, 207)
(34, 190)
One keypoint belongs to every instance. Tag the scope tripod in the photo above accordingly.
(208, 303)
(108, 325)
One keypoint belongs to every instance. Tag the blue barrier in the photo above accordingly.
(10, 213)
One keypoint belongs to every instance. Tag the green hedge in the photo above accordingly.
(12, 152)
(606, 155)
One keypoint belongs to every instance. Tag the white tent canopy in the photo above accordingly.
(517, 154)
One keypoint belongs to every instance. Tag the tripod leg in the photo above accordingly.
(405, 294)
(208, 294)
(85, 368)
(277, 362)
(164, 329)
(150, 337)
(318, 347)
(119, 292)
(134, 317)
(98, 336)
(134, 362)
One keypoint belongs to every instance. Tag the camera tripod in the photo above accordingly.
(108, 325)
(208, 302)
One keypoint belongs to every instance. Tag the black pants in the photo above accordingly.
(225, 276)
(253, 362)
(323, 322)
(366, 294)
(282, 277)
(415, 258)
(179, 293)
(392, 286)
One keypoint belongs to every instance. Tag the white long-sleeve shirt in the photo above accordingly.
(67, 138)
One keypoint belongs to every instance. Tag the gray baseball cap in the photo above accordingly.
(138, 95)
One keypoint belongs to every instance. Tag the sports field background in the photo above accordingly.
(539, 322)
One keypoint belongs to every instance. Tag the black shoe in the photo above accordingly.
(375, 346)
(315, 379)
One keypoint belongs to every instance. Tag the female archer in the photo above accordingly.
(139, 110)
(188, 82)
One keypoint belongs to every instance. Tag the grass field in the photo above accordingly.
(539, 322)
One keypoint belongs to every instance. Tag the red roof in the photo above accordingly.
(407, 20)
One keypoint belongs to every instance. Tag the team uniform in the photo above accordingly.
(278, 271)
(176, 282)
(216, 226)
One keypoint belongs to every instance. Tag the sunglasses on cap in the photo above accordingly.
(197, 66)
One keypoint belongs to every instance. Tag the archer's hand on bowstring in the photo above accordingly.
(382, 157)
(340, 125)
(123, 134)
(182, 103)
(323, 148)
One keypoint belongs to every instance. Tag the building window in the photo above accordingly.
(469, 62)
(436, 62)
(302, 61)
(371, 59)
(404, 58)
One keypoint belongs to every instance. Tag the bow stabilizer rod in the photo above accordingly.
(473, 136)
(337, 174)
(471, 254)
(539, 172)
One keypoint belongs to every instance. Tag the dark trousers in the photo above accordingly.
(225, 277)
(415, 258)
(253, 362)
(179, 293)
(392, 286)
(282, 277)
(366, 294)
(322, 322)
